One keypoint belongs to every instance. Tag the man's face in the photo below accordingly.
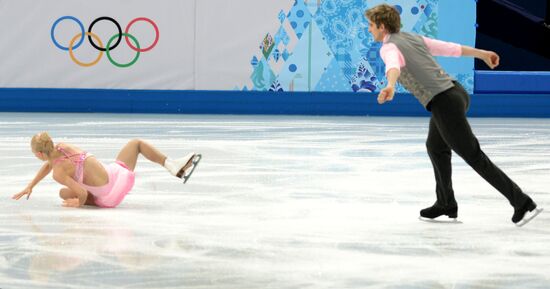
(378, 33)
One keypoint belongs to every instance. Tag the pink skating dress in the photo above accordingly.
(110, 195)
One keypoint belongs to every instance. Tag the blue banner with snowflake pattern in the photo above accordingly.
(325, 46)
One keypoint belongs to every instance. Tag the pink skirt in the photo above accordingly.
(121, 181)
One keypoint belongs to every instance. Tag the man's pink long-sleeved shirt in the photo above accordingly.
(393, 58)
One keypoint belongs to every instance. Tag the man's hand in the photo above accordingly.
(27, 191)
(491, 59)
(386, 94)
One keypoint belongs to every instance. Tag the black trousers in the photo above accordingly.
(450, 130)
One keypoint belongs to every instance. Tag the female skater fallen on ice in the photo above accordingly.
(89, 182)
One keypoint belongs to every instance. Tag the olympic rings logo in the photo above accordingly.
(96, 42)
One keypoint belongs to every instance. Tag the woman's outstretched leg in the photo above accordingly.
(129, 155)
(131, 151)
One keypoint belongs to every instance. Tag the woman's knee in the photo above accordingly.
(134, 142)
(65, 193)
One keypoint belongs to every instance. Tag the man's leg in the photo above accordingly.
(449, 113)
(440, 155)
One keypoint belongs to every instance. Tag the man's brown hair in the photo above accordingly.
(387, 15)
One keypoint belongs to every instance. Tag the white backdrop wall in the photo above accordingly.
(30, 59)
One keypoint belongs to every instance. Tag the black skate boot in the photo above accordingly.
(519, 217)
(438, 210)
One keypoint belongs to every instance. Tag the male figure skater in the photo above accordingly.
(409, 60)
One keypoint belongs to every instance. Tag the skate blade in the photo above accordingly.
(196, 159)
(188, 165)
(529, 216)
(440, 221)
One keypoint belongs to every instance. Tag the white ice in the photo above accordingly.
(277, 202)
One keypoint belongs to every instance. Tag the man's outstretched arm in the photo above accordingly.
(450, 49)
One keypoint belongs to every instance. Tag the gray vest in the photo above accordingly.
(422, 75)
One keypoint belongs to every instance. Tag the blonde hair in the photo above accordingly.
(387, 15)
(42, 142)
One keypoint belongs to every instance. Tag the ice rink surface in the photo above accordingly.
(277, 202)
